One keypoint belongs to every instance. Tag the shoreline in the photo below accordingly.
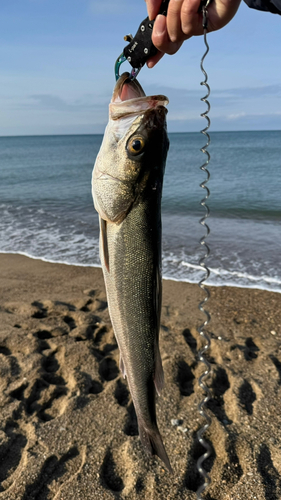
(97, 266)
(68, 426)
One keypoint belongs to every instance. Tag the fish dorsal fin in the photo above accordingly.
(104, 243)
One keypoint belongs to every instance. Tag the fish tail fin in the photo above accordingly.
(153, 444)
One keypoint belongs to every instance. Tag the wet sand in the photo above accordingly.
(68, 428)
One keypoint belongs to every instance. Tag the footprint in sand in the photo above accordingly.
(232, 470)
(41, 397)
(277, 365)
(220, 385)
(122, 396)
(190, 340)
(11, 453)
(41, 311)
(55, 474)
(70, 322)
(250, 349)
(131, 424)
(184, 378)
(270, 477)
(118, 472)
(247, 396)
(86, 386)
(10, 361)
(5, 351)
(121, 393)
(108, 369)
(109, 475)
(192, 478)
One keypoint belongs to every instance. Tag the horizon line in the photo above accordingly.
(169, 133)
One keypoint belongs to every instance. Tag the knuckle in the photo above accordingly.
(158, 41)
(185, 11)
(174, 37)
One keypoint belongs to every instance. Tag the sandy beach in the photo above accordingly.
(68, 428)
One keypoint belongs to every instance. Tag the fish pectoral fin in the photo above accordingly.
(158, 371)
(153, 444)
(104, 243)
(122, 367)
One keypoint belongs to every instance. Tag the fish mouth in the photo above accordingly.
(126, 89)
(129, 99)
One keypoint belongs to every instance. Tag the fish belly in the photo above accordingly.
(133, 284)
(134, 295)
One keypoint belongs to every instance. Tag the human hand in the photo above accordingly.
(183, 21)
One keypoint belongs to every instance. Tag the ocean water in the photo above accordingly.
(46, 208)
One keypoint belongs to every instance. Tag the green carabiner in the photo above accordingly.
(118, 63)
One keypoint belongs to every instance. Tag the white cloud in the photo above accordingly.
(236, 116)
(252, 116)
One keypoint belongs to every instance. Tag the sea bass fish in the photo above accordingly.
(127, 189)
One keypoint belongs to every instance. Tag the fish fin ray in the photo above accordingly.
(122, 367)
(104, 243)
(153, 444)
(158, 373)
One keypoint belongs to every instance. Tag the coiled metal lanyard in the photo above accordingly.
(202, 328)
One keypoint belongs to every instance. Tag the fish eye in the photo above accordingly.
(136, 145)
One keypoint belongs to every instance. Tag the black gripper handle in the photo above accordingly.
(141, 48)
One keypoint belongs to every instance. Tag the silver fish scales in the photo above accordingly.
(127, 189)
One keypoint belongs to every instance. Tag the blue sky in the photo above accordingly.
(57, 61)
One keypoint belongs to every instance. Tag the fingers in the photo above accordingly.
(154, 60)
(153, 7)
(174, 20)
(161, 38)
(191, 20)
(183, 21)
(222, 12)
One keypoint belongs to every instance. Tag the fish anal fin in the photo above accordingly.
(122, 367)
(104, 243)
(158, 371)
(153, 444)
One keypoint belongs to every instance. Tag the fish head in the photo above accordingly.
(133, 151)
